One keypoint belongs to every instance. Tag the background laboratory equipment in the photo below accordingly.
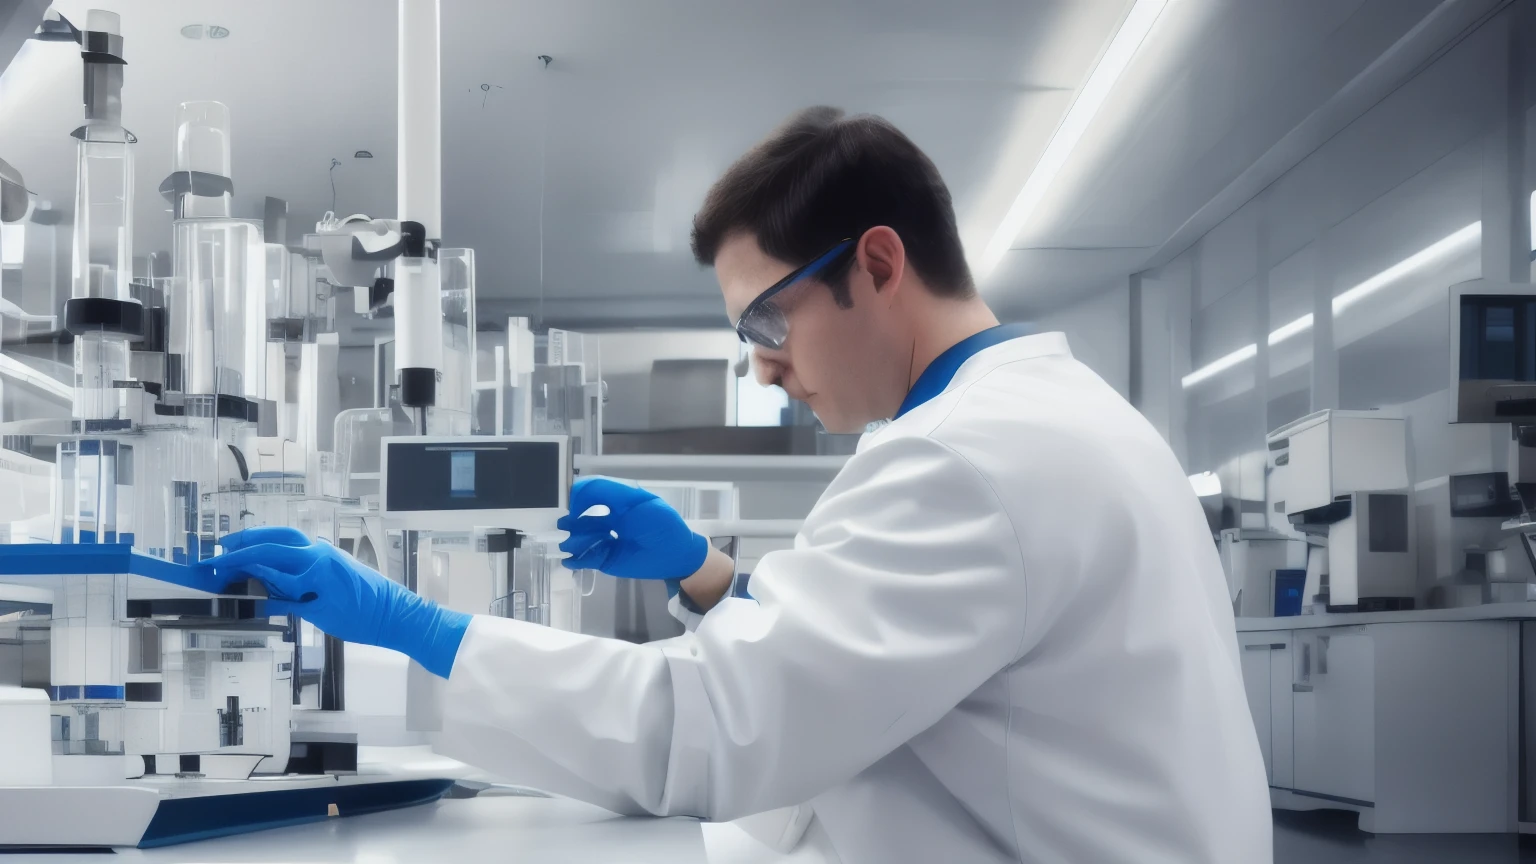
(101, 312)
(1346, 488)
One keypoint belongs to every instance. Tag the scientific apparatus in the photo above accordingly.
(469, 507)
(1493, 381)
(568, 389)
(1346, 488)
(151, 695)
(1260, 568)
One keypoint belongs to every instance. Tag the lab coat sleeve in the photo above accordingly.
(904, 593)
(680, 608)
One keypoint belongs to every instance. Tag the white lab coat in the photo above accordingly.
(1002, 635)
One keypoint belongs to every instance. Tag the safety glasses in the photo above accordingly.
(763, 322)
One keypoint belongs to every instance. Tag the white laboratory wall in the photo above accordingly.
(1098, 330)
(1414, 169)
(627, 358)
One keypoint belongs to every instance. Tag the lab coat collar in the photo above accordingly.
(1020, 348)
(979, 364)
(935, 379)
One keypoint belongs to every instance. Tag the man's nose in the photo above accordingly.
(767, 369)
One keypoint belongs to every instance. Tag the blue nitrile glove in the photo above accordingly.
(640, 537)
(333, 591)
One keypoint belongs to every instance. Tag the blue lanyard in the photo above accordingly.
(943, 368)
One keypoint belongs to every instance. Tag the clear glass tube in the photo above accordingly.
(457, 270)
(66, 507)
(88, 491)
(154, 472)
(103, 249)
(278, 280)
(567, 390)
(86, 667)
(202, 153)
(220, 325)
(101, 360)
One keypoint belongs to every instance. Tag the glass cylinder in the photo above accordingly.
(88, 487)
(65, 511)
(103, 249)
(456, 389)
(517, 415)
(202, 158)
(278, 280)
(87, 649)
(158, 527)
(146, 361)
(101, 360)
(219, 325)
(124, 498)
(567, 390)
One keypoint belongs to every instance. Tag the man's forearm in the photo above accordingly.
(712, 582)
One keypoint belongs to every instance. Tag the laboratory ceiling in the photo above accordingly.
(575, 180)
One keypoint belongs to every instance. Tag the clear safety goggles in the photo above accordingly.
(763, 322)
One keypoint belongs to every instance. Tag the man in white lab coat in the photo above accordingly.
(1002, 633)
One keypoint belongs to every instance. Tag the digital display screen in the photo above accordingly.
(1498, 338)
(506, 475)
(461, 474)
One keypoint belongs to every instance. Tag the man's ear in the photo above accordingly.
(882, 255)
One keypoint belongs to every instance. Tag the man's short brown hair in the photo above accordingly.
(822, 177)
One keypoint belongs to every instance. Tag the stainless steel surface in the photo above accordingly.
(688, 393)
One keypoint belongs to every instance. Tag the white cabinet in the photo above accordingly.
(1413, 725)
(1266, 658)
(1255, 657)
(1333, 715)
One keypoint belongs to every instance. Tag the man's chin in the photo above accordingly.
(839, 426)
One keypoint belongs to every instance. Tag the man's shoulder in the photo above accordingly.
(1013, 417)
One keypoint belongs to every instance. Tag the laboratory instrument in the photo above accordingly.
(1488, 523)
(1345, 486)
(1262, 569)
(135, 681)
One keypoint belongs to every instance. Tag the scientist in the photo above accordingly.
(1002, 633)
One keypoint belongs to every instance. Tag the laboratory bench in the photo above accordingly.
(1413, 719)
(488, 827)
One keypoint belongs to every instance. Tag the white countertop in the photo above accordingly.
(490, 827)
(1487, 612)
(466, 831)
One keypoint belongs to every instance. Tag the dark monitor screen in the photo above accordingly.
(1498, 337)
(495, 475)
(1496, 358)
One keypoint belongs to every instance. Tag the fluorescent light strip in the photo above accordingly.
(1121, 49)
(1221, 364)
(1441, 248)
(1434, 251)
(1300, 325)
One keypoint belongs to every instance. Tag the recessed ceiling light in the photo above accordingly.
(198, 31)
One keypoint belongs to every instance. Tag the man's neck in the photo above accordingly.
(946, 324)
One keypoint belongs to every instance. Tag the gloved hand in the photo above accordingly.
(333, 591)
(641, 537)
